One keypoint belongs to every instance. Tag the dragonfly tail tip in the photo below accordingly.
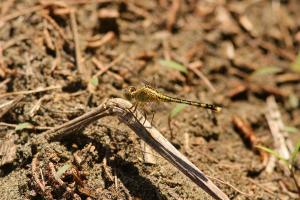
(218, 109)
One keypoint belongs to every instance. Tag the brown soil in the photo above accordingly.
(246, 50)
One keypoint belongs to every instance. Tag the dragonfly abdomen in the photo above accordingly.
(192, 103)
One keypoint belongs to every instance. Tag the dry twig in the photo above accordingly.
(76, 41)
(248, 134)
(172, 15)
(203, 77)
(99, 42)
(230, 185)
(148, 154)
(8, 149)
(4, 108)
(106, 68)
(14, 41)
(280, 137)
(119, 107)
(41, 128)
(30, 91)
(34, 167)
(16, 14)
(54, 24)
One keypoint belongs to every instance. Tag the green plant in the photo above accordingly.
(62, 170)
(290, 163)
(173, 65)
(177, 109)
(296, 64)
(94, 81)
(266, 71)
(22, 126)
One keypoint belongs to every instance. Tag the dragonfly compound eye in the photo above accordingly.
(131, 89)
(128, 93)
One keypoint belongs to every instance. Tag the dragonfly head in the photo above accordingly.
(128, 92)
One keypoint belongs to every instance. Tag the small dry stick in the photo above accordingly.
(203, 77)
(172, 14)
(120, 108)
(76, 2)
(54, 24)
(263, 187)
(106, 171)
(41, 128)
(30, 91)
(4, 108)
(54, 175)
(34, 167)
(76, 41)
(105, 39)
(16, 14)
(230, 185)
(148, 154)
(13, 41)
(248, 134)
(281, 142)
(139, 11)
(106, 68)
(37, 105)
(8, 149)
(43, 5)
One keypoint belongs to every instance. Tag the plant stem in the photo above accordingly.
(294, 178)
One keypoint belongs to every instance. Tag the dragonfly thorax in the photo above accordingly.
(146, 94)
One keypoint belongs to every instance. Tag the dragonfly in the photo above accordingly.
(148, 94)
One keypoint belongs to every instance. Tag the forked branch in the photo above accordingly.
(120, 108)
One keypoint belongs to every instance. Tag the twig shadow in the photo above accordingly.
(137, 185)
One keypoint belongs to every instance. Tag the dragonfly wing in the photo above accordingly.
(151, 83)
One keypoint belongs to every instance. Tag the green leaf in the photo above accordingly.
(62, 170)
(177, 109)
(295, 152)
(293, 101)
(94, 81)
(266, 71)
(296, 64)
(274, 153)
(173, 65)
(291, 129)
(22, 126)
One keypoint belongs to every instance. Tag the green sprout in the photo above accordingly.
(290, 163)
(173, 65)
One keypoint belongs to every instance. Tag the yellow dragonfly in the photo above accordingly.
(146, 94)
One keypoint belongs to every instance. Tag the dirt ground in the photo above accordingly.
(60, 59)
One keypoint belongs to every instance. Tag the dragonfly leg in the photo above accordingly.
(154, 107)
(134, 107)
(142, 106)
(145, 117)
(153, 113)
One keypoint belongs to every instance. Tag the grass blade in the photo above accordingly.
(266, 71)
(295, 152)
(296, 64)
(22, 126)
(291, 129)
(94, 81)
(62, 170)
(173, 65)
(177, 109)
(274, 153)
